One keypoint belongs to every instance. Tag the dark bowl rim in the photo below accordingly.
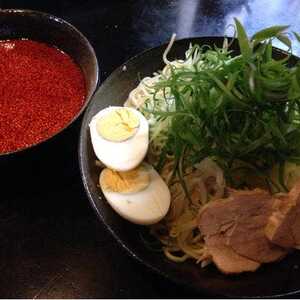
(82, 166)
(62, 22)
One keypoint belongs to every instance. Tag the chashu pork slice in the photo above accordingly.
(283, 227)
(226, 260)
(237, 224)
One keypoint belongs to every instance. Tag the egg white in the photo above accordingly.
(145, 207)
(124, 155)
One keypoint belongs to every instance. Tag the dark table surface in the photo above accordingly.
(51, 243)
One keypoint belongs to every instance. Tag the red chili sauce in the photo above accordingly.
(41, 90)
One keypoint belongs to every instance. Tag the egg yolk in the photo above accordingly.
(124, 182)
(118, 125)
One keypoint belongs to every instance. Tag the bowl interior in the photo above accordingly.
(16, 24)
(270, 280)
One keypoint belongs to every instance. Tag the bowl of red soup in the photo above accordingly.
(48, 72)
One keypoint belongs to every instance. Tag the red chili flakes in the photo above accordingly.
(41, 90)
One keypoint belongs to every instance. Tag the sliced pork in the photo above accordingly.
(227, 260)
(234, 231)
(283, 226)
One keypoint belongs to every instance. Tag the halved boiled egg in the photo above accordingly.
(120, 137)
(140, 195)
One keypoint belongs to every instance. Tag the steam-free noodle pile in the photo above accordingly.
(217, 122)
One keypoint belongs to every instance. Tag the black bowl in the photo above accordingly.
(43, 27)
(276, 279)
(39, 26)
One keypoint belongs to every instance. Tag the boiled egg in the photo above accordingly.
(139, 195)
(120, 137)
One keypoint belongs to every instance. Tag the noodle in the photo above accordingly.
(166, 61)
(178, 232)
(199, 112)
